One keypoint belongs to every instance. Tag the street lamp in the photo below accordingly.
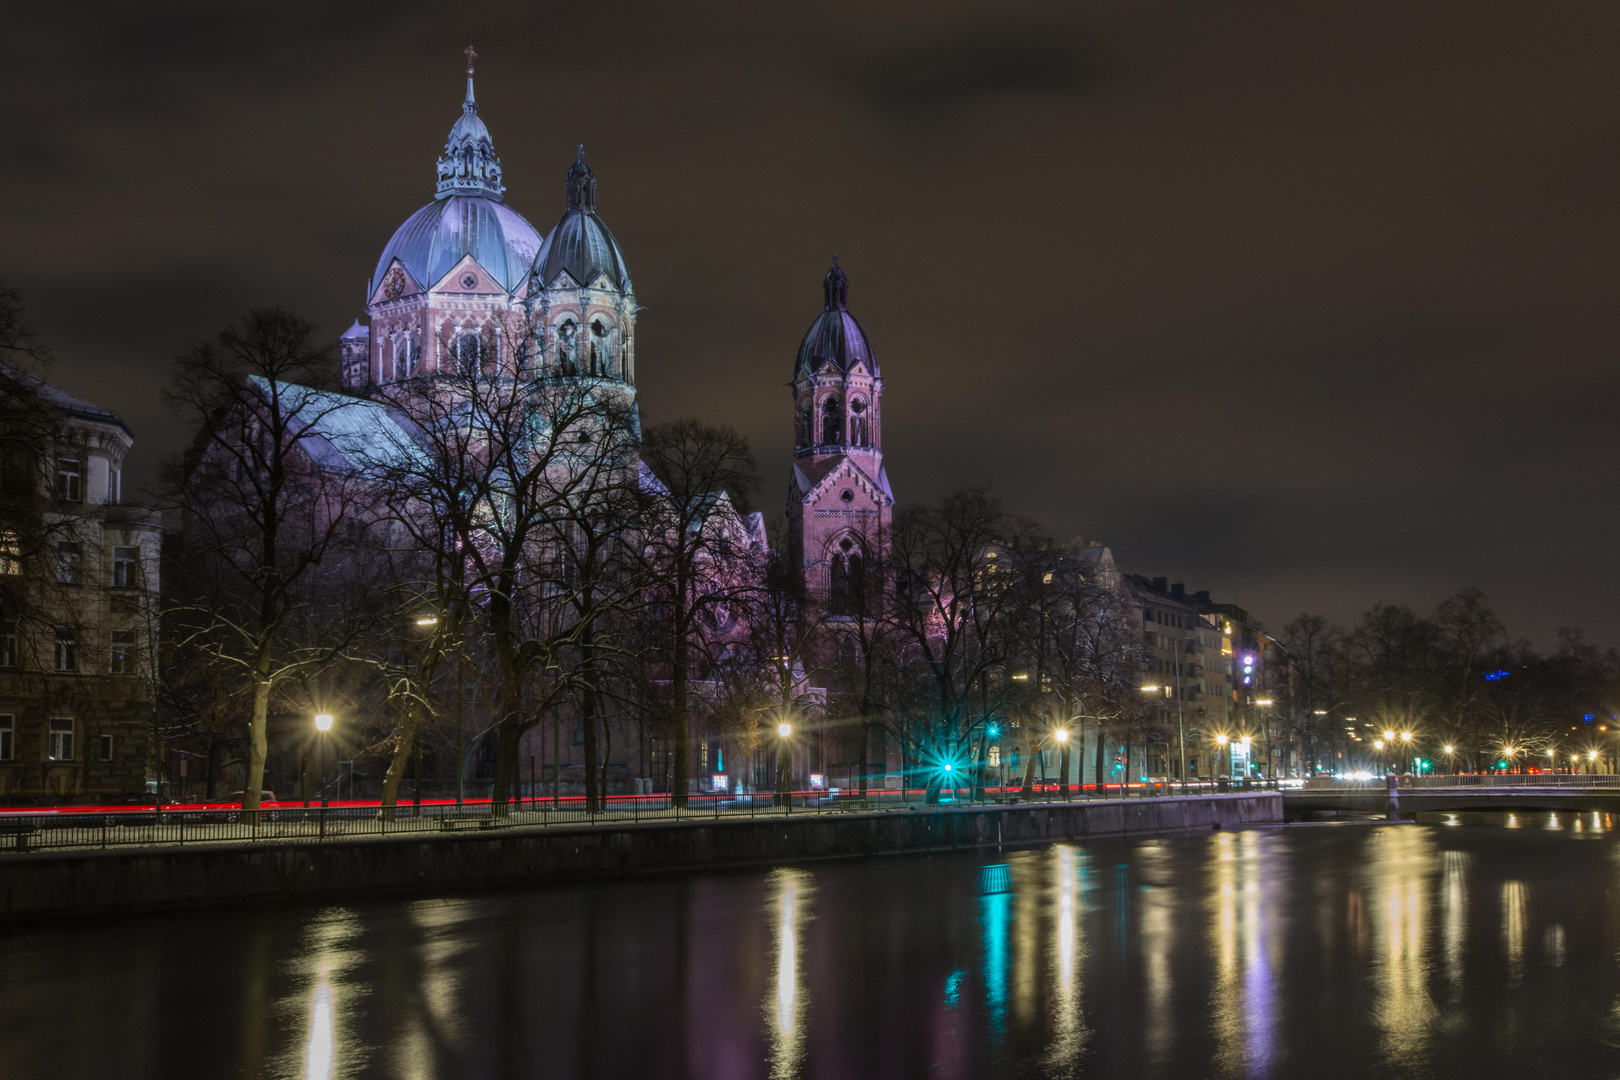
(784, 765)
(1062, 737)
(323, 724)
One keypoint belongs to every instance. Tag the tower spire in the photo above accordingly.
(469, 164)
(835, 286)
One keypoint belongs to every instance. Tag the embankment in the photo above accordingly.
(79, 882)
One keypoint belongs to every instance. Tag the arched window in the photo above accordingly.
(857, 422)
(807, 427)
(846, 585)
(468, 349)
(832, 422)
(567, 354)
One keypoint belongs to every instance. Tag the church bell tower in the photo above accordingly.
(839, 504)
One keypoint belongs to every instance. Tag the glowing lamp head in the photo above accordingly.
(1508, 751)
(784, 729)
(428, 620)
(323, 721)
(1406, 736)
(1591, 755)
(1448, 749)
(1263, 701)
(1062, 735)
(949, 767)
(1378, 744)
(1245, 742)
(1220, 740)
(1389, 736)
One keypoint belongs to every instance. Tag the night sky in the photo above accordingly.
(1309, 305)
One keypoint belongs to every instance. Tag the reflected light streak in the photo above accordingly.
(995, 912)
(1454, 916)
(320, 1050)
(1158, 939)
(1242, 1000)
(1404, 1012)
(787, 1036)
(1068, 1022)
(1513, 927)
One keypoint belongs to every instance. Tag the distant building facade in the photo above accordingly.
(78, 597)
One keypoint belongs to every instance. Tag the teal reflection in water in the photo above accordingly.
(995, 915)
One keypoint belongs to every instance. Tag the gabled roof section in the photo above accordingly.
(394, 282)
(455, 280)
(820, 475)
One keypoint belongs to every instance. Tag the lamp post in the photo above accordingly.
(1246, 759)
(784, 765)
(1451, 764)
(1181, 737)
(1226, 762)
(323, 724)
(1062, 737)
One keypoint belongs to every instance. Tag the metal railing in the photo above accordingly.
(104, 827)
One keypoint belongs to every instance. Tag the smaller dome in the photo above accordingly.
(835, 337)
(580, 243)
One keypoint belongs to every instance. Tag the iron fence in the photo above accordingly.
(104, 827)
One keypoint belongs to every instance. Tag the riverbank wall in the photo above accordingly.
(53, 884)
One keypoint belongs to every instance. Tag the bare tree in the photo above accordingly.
(263, 503)
(701, 556)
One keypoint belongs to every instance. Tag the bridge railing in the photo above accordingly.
(1514, 780)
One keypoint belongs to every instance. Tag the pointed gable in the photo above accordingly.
(467, 276)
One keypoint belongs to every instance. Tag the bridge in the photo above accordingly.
(1513, 793)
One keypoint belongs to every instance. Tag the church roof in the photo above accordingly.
(835, 338)
(580, 243)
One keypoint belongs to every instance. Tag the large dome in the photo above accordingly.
(435, 238)
(467, 216)
(580, 243)
(835, 337)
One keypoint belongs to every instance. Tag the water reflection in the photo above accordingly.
(1454, 915)
(1242, 999)
(995, 913)
(1513, 898)
(324, 966)
(1069, 1032)
(1404, 1012)
(1158, 941)
(790, 889)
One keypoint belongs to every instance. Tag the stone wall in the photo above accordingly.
(51, 884)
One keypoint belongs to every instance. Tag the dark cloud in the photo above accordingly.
(1308, 305)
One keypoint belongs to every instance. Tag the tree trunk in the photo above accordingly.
(397, 764)
(587, 718)
(258, 743)
(680, 725)
(1063, 770)
(1032, 752)
(1102, 746)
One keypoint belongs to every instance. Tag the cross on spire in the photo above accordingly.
(471, 55)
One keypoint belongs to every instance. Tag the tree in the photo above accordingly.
(263, 506)
(700, 556)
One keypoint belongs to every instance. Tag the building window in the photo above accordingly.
(8, 728)
(832, 422)
(468, 348)
(122, 652)
(567, 349)
(10, 554)
(115, 486)
(847, 586)
(8, 644)
(67, 562)
(70, 480)
(61, 739)
(106, 747)
(857, 423)
(67, 649)
(125, 564)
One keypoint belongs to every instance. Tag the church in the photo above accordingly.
(468, 283)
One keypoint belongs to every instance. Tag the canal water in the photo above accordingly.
(1474, 946)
